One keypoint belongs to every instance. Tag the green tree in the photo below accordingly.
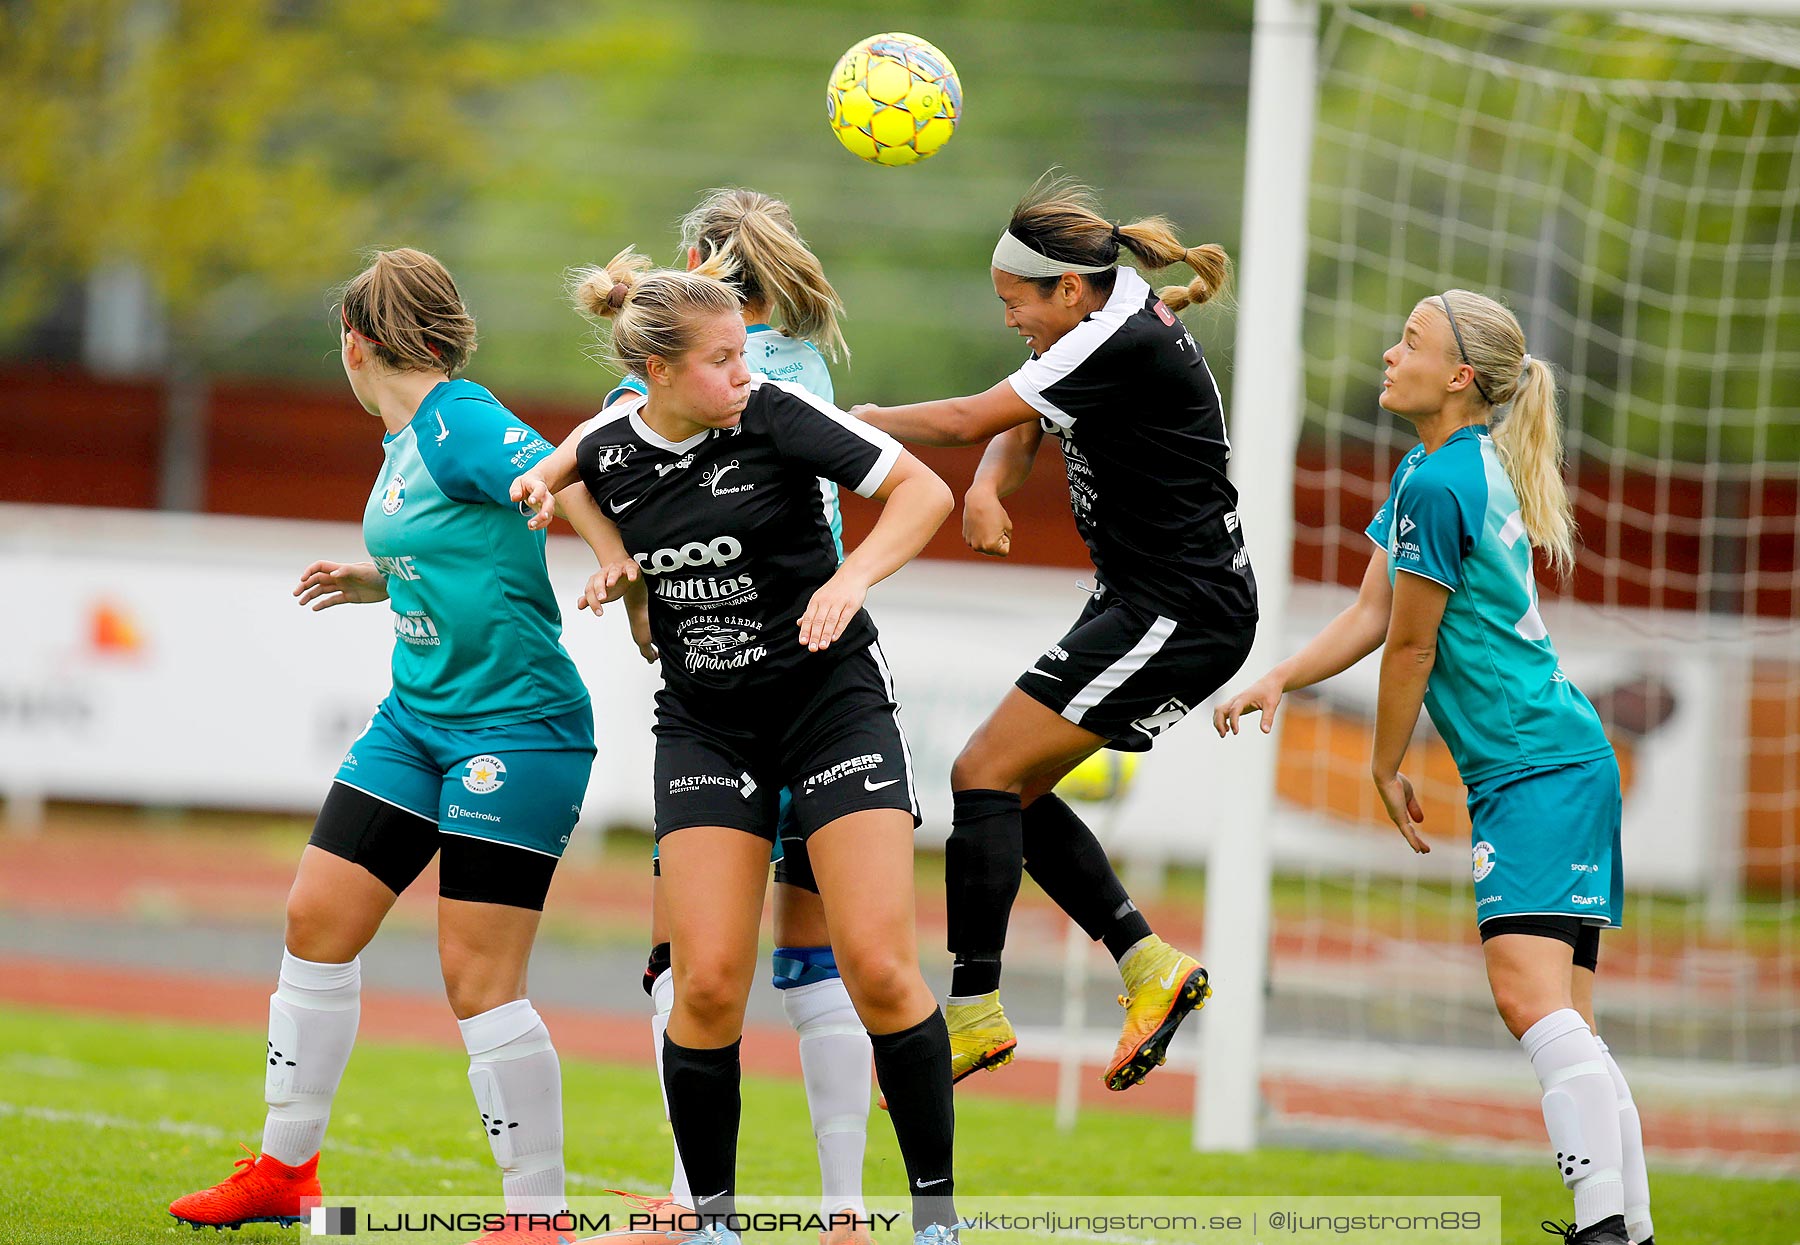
(225, 157)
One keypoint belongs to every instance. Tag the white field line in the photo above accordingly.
(208, 1132)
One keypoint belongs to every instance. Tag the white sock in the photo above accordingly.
(662, 998)
(1581, 1112)
(518, 1087)
(836, 1059)
(312, 1026)
(1631, 1138)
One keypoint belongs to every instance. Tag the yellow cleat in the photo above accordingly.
(980, 1036)
(1162, 987)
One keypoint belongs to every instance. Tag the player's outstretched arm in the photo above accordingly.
(952, 421)
(325, 584)
(915, 503)
(1355, 633)
(537, 488)
(1005, 466)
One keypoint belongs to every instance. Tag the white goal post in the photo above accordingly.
(1268, 411)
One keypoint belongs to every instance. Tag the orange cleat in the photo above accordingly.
(1165, 986)
(261, 1190)
(846, 1229)
(652, 1221)
(530, 1230)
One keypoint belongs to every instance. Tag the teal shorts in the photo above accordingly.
(1545, 842)
(519, 784)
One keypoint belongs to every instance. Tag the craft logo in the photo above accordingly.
(1166, 715)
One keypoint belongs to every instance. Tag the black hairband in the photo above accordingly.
(1473, 374)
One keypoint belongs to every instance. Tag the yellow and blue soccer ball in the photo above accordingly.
(1104, 776)
(893, 99)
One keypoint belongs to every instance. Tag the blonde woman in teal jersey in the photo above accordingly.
(479, 755)
(1450, 598)
(783, 284)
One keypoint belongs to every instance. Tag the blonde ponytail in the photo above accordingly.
(654, 312)
(769, 262)
(1526, 427)
(1529, 441)
(600, 291)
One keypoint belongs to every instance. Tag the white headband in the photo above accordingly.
(1012, 255)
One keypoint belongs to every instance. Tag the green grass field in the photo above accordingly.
(107, 1120)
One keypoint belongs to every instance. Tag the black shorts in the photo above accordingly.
(835, 742)
(1129, 674)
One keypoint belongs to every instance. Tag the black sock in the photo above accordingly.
(1063, 856)
(704, 1107)
(983, 862)
(913, 1069)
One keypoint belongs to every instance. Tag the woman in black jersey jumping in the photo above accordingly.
(772, 678)
(1117, 379)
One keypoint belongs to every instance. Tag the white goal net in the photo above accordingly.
(1629, 184)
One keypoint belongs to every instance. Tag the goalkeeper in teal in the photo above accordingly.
(479, 755)
(782, 282)
(1451, 599)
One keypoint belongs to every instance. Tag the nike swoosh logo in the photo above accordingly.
(620, 507)
(1168, 981)
(1045, 673)
(444, 431)
(876, 786)
(711, 1197)
(926, 1184)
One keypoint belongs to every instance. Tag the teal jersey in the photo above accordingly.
(477, 635)
(1497, 693)
(779, 357)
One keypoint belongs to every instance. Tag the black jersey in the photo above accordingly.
(1128, 394)
(732, 528)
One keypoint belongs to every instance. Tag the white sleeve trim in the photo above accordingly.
(1038, 402)
(890, 449)
(1422, 575)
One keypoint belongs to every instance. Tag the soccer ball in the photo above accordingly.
(1104, 776)
(893, 99)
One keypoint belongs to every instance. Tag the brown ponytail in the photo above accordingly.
(1060, 218)
(407, 308)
